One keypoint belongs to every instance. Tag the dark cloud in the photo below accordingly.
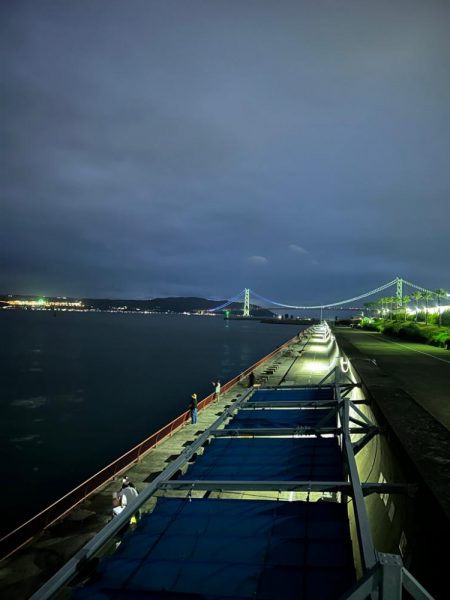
(148, 148)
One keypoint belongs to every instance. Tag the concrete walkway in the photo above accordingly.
(390, 382)
(422, 371)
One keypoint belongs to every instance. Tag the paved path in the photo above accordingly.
(422, 371)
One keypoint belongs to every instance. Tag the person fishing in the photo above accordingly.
(193, 409)
(217, 387)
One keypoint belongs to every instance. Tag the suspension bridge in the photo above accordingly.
(244, 297)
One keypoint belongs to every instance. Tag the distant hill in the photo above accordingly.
(174, 304)
(156, 304)
(163, 305)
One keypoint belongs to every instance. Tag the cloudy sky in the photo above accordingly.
(187, 147)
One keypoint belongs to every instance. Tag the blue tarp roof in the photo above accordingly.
(269, 459)
(292, 395)
(267, 418)
(218, 549)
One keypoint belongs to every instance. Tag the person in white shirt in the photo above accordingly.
(128, 493)
(127, 496)
(217, 387)
(117, 506)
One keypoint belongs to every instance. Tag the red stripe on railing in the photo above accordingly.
(22, 534)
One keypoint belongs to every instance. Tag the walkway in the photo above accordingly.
(418, 418)
(422, 371)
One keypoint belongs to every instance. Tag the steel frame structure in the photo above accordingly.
(89, 550)
(383, 577)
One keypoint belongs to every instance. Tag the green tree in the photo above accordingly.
(380, 306)
(371, 307)
(405, 301)
(392, 301)
(439, 294)
(427, 296)
(417, 297)
(382, 302)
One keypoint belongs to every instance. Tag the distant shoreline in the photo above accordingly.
(169, 305)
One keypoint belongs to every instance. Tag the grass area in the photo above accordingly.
(411, 331)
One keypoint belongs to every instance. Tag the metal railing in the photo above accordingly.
(17, 538)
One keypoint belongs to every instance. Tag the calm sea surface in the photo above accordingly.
(79, 389)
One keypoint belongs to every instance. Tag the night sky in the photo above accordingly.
(182, 147)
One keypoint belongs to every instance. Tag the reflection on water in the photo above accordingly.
(30, 402)
(34, 437)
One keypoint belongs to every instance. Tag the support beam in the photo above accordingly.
(290, 404)
(367, 549)
(391, 576)
(284, 431)
(361, 414)
(413, 587)
(259, 486)
(359, 445)
(365, 586)
(358, 422)
(386, 581)
(283, 486)
(327, 377)
(280, 431)
(334, 371)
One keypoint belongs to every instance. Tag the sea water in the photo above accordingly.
(77, 390)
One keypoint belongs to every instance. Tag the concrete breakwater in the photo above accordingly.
(409, 399)
(304, 363)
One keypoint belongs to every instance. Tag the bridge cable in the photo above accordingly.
(326, 305)
(417, 287)
(227, 303)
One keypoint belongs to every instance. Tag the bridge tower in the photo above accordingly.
(246, 312)
(399, 282)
